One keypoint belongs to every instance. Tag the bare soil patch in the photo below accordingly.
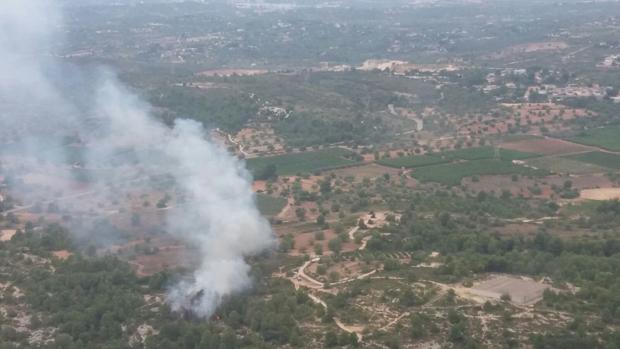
(259, 186)
(304, 243)
(601, 194)
(530, 115)
(232, 72)
(369, 171)
(530, 48)
(166, 258)
(7, 234)
(521, 290)
(591, 181)
(62, 254)
(499, 183)
(546, 146)
(258, 140)
(346, 269)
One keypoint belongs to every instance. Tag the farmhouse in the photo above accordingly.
(576, 91)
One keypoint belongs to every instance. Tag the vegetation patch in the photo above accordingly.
(488, 153)
(606, 137)
(413, 161)
(268, 205)
(455, 155)
(291, 164)
(452, 174)
(598, 158)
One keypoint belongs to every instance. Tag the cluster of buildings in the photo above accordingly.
(569, 91)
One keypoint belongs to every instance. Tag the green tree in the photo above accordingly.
(335, 245)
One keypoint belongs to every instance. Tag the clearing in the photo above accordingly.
(233, 72)
(368, 171)
(7, 234)
(521, 290)
(546, 146)
(558, 164)
(601, 194)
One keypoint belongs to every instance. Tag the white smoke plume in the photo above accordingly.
(218, 216)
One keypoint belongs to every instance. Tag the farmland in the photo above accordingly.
(607, 160)
(601, 194)
(268, 205)
(607, 137)
(455, 155)
(452, 174)
(291, 164)
(546, 146)
(413, 161)
(558, 164)
(385, 174)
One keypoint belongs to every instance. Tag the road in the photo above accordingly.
(63, 198)
(302, 279)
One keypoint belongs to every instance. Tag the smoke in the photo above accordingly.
(46, 104)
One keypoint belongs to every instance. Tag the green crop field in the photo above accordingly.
(452, 174)
(558, 164)
(268, 205)
(449, 156)
(291, 164)
(598, 158)
(413, 161)
(488, 153)
(607, 137)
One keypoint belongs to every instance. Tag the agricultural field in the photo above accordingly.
(453, 173)
(308, 162)
(607, 137)
(413, 161)
(420, 174)
(545, 146)
(559, 164)
(269, 205)
(456, 155)
(605, 160)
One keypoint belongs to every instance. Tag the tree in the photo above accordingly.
(335, 245)
(331, 339)
(457, 333)
(318, 249)
(135, 219)
(333, 276)
(287, 243)
(229, 340)
(163, 203)
(300, 212)
(326, 187)
(320, 220)
(348, 339)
